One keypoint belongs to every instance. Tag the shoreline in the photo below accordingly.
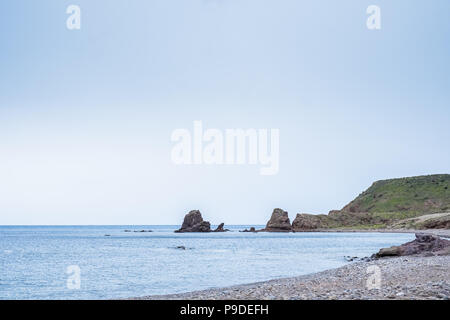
(444, 233)
(404, 277)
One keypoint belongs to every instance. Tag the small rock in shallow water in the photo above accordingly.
(220, 228)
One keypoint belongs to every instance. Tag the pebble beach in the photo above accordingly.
(404, 278)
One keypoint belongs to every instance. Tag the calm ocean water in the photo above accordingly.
(34, 260)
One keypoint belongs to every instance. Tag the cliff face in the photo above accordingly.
(387, 203)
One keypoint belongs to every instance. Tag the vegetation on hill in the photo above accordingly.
(423, 194)
(387, 203)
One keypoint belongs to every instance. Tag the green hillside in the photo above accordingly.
(393, 203)
(410, 196)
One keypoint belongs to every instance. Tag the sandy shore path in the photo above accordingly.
(400, 278)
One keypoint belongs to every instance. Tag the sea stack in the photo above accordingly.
(279, 222)
(193, 222)
(220, 228)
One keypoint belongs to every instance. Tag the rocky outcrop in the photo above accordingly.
(428, 221)
(252, 229)
(279, 222)
(220, 228)
(438, 223)
(193, 222)
(308, 222)
(424, 245)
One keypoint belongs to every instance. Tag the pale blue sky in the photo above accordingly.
(86, 116)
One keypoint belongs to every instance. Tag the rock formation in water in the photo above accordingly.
(220, 228)
(308, 222)
(424, 245)
(193, 222)
(279, 222)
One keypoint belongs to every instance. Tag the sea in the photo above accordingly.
(108, 262)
